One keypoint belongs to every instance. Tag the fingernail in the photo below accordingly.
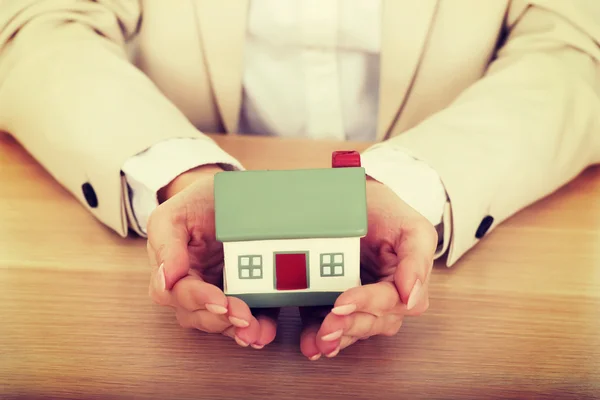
(216, 309)
(159, 279)
(240, 341)
(315, 357)
(414, 295)
(330, 337)
(238, 322)
(333, 353)
(344, 310)
(257, 346)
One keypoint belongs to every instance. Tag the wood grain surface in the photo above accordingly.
(517, 317)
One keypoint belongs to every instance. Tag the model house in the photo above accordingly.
(292, 237)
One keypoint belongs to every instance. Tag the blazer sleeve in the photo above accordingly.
(71, 97)
(530, 125)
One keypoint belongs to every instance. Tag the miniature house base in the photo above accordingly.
(292, 272)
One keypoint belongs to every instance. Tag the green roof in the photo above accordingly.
(294, 204)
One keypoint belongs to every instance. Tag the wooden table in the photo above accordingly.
(518, 317)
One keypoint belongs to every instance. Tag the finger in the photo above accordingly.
(363, 327)
(357, 325)
(308, 342)
(239, 314)
(391, 326)
(249, 335)
(376, 298)
(422, 304)
(192, 294)
(156, 289)
(415, 250)
(229, 331)
(334, 327)
(311, 317)
(202, 320)
(346, 342)
(168, 247)
(267, 319)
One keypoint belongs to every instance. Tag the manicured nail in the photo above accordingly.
(238, 322)
(216, 309)
(257, 346)
(344, 310)
(315, 357)
(159, 279)
(330, 337)
(414, 295)
(333, 353)
(240, 341)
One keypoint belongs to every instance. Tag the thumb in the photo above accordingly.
(168, 250)
(415, 261)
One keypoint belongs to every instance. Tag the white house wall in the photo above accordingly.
(315, 247)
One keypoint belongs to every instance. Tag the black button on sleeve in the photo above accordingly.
(90, 195)
(484, 226)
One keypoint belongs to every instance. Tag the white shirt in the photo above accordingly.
(311, 70)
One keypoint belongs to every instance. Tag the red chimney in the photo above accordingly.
(345, 159)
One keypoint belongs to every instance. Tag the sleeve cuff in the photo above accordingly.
(146, 173)
(415, 182)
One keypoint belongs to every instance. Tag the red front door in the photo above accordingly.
(290, 271)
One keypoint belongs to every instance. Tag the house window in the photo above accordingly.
(250, 267)
(332, 264)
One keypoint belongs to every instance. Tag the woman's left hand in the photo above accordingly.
(396, 261)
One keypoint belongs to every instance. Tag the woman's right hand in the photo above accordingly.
(187, 264)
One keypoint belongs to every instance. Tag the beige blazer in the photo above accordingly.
(501, 97)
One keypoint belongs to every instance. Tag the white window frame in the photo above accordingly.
(249, 264)
(329, 262)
